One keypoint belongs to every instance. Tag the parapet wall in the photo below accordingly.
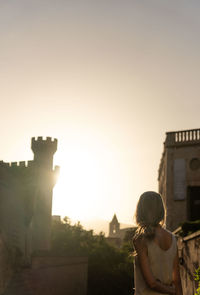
(184, 137)
(43, 138)
(21, 164)
(189, 255)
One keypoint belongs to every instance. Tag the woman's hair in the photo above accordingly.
(150, 212)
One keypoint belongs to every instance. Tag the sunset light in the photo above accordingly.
(100, 103)
(107, 79)
(75, 190)
(84, 188)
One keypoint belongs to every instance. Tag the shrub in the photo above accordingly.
(197, 278)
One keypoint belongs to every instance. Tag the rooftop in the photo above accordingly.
(183, 137)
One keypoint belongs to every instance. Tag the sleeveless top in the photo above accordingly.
(161, 263)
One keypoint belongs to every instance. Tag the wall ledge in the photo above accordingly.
(192, 236)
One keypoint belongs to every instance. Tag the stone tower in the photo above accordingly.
(43, 162)
(114, 227)
(26, 199)
(179, 177)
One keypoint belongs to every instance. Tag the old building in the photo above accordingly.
(179, 177)
(26, 265)
(26, 198)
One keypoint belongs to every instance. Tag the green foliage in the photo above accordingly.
(110, 270)
(197, 278)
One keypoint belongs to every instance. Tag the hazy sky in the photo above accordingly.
(108, 79)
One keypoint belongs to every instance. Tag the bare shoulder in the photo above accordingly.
(139, 243)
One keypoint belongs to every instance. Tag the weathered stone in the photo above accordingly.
(179, 177)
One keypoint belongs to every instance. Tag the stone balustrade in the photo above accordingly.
(183, 137)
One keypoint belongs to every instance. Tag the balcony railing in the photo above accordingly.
(182, 137)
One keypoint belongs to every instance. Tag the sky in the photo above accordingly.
(108, 79)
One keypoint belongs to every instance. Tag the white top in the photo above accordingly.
(161, 263)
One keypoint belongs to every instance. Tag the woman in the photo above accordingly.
(156, 260)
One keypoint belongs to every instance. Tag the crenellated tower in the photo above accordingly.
(43, 150)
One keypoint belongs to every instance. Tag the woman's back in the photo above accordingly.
(161, 253)
(156, 262)
(163, 238)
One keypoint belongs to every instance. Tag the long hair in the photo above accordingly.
(150, 212)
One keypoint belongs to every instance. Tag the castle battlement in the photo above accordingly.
(21, 164)
(42, 139)
(183, 137)
(41, 144)
(4, 164)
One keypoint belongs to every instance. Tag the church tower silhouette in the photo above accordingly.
(114, 227)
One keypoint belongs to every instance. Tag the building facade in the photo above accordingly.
(179, 177)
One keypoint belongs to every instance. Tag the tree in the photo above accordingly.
(110, 270)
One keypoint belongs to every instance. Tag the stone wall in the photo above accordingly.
(60, 275)
(6, 265)
(189, 253)
(51, 275)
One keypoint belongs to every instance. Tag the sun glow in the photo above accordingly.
(75, 191)
(94, 179)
